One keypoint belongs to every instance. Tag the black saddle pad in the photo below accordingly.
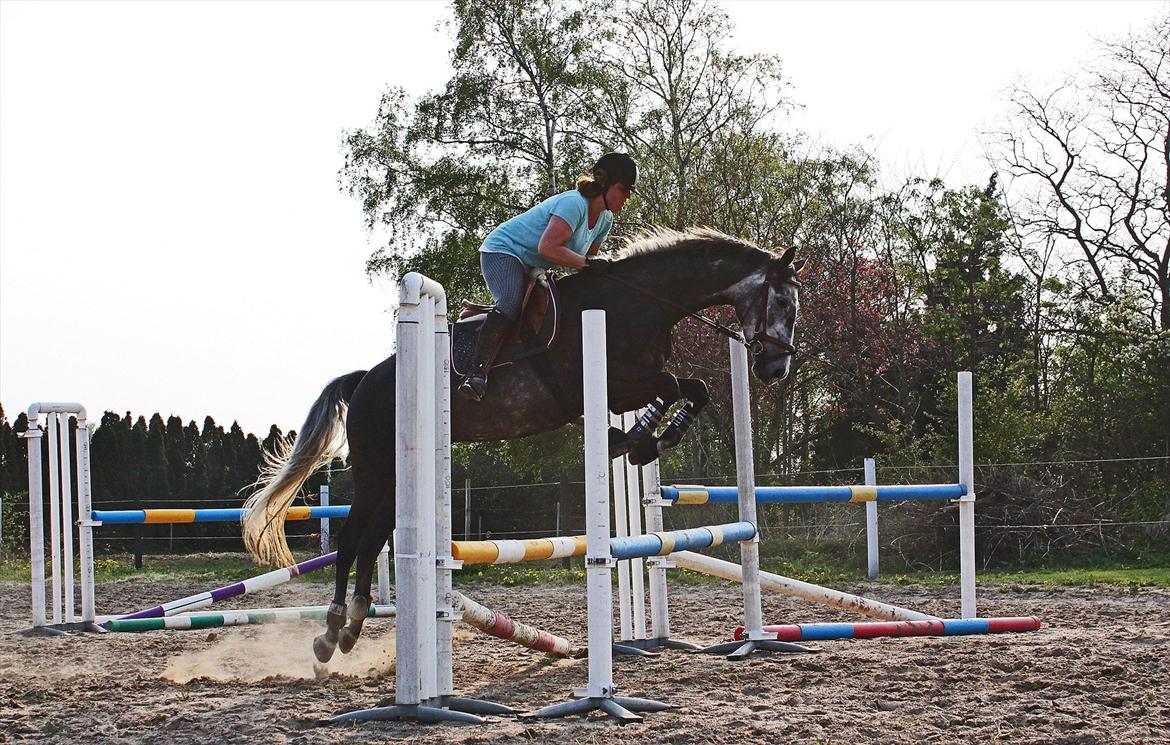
(465, 332)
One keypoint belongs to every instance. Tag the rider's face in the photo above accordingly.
(616, 196)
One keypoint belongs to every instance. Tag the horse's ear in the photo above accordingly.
(798, 266)
(786, 259)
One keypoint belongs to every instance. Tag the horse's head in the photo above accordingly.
(767, 310)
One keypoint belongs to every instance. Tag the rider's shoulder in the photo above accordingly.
(568, 202)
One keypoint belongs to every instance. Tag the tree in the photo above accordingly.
(110, 458)
(156, 469)
(178, 456)
(502, 135)
(196, 475)
(1094, 155)
(676, 96)
(13, 461)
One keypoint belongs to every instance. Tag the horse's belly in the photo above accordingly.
(518, 404)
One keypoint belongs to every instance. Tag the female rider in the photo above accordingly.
(564, 230)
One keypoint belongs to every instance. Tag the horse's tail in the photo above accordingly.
(321, 438)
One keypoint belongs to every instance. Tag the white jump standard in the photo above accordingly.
(599, 693)
(60, 519)
(423, 684)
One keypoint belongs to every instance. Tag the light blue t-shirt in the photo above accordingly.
(520, 236)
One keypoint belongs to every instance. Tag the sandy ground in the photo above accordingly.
(1099, 671)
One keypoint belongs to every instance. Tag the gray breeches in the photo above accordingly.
(505, 276)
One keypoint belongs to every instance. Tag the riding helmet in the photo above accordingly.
(616, 167)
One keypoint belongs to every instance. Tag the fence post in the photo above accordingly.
(871, 521)
(139, 543)
(967, 501)
(467, 509)
(564, 496)
(36, 527)
(324, 500)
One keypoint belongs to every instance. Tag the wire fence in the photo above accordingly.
(485, 511)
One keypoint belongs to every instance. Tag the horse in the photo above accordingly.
(657, 279)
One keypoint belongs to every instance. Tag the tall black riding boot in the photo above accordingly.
(495, 328)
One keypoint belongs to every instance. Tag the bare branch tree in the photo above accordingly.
(1094, 158)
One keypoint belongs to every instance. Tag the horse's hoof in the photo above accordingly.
(323, 648)
(645, 452)
(346, 639)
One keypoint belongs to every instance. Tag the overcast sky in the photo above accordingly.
(172, 235)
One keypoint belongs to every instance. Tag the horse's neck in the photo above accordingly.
(693, 280)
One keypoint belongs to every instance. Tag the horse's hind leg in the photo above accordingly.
(347, 544)
(373, 538)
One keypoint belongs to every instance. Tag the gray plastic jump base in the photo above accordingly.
(621, 708)
(448, 709)
(741, 650)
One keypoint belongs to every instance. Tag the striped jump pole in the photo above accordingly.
(662, 544)
(250, 585)
(627, 547)
(208, 620)
(683, 495)
(515, 551)
(875, 630)
(227, 515)
(499, 625)
(795, 588)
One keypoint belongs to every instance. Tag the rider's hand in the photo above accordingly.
(599, 264)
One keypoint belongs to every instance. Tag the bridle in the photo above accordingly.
(754, 343)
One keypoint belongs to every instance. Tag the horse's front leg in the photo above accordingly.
(657, 391)
(697, 396)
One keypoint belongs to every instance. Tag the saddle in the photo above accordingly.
(532, 334)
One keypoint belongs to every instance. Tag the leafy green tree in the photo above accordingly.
(976, 309)
(438, 174)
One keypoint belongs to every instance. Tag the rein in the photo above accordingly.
(754, 344)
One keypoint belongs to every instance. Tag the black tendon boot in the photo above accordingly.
(495, 327)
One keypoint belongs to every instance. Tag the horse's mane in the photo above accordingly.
(655, 240)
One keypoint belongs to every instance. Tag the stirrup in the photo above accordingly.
(473, 388)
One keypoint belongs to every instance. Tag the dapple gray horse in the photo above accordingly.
(657, 280)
